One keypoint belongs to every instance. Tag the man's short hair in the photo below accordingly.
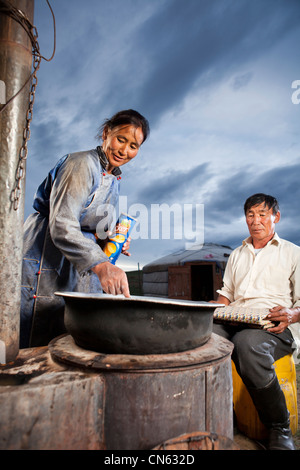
(260, 198)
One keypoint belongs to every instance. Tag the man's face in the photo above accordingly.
(261, 224)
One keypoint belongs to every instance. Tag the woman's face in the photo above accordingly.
(121, 144)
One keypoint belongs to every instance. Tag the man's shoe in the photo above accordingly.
(280, 438)
(272, 410)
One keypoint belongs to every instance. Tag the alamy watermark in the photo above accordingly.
(296, 94)
(157, 222)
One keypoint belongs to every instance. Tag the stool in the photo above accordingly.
(247, 419)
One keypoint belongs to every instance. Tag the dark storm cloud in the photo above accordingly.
(183, 44)
(185, 40)
(47, 144)
(226, 205)
(151, 56)
(241, 80)
(175, 186)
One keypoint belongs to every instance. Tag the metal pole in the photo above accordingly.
(15, 68)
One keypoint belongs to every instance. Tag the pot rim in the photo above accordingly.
(135, 298)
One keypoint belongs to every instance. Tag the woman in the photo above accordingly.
(61, 251)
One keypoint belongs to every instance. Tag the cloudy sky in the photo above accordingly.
(214, 78)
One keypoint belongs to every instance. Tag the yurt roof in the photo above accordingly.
(205, 252)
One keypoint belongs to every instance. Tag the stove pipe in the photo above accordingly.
(15, 69)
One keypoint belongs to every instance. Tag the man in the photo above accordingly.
(264, 272)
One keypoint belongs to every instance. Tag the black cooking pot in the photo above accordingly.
(136, 325)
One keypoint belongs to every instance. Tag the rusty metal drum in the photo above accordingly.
(150, 399)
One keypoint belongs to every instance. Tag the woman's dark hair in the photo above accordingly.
(260, 198)
(126, 117)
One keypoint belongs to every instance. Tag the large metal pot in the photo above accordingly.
(136, 325)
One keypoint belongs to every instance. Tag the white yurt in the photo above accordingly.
(193, 274)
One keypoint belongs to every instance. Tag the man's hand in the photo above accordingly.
(221, 300)
(285, 316)
(113, 279)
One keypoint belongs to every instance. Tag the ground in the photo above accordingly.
(246, 444)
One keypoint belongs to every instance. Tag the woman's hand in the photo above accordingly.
(113, 279)
(126, 247)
